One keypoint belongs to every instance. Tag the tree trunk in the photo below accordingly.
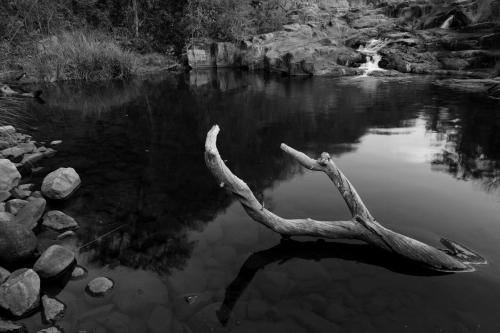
(136, 18)
(362, 226)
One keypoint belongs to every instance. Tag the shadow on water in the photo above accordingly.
(312, 250)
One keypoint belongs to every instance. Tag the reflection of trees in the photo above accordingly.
(141, 156)
(471, 143)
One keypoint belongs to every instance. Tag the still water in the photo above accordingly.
(186, 258)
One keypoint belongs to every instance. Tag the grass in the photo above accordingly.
(81, 55)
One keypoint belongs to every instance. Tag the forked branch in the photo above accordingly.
(362, 226)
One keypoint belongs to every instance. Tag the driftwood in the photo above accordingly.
(362, 226)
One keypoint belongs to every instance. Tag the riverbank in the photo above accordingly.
(79, 55)
(455, 39)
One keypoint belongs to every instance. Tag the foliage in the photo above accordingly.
(81, 55)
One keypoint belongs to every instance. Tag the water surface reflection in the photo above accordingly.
(138, 147)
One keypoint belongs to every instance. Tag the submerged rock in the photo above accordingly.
(30, 213)
(55, 260)
(9, 176)
(60, 184)
(53, 309)
(16, 242)
(20, 294)
(12, 327)
(78, 273)
(66, 234)
(99, 286)
(58, 221)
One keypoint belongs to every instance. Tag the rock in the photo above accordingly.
(17, 243)
(61, 183)
(78, 273)
(4, 195)
(6, 217)
(14, 205)
(2, 206)
(30, 213)
(53, 261)
(52, 329)
(6, 130)
(4, 274)
(20, 294)
(99, 286)
(55, 142)
(12, 327)
(19, 193)
(9, 176)
(53, 309)
(13, 153)
(66, 234)
(58, 221)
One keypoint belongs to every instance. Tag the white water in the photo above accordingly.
(372, 57)
(446, 24)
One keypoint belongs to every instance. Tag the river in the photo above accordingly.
(184, 255)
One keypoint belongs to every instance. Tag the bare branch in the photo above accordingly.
(362, 227)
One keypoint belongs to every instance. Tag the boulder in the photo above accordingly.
(4, 274)
(99, 286)
(4, 195)
(53, 261)
(58, 221)
(13, 206)
(12, 327)
(9, 176)
(20, 294)
(16, 242)
(53, 309)
(31, 212)
(60, 183)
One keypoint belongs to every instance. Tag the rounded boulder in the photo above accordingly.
(61, 183)
(53, 261)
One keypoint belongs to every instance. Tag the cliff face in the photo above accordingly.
(323, 38)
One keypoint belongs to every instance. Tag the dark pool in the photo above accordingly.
(186, 258)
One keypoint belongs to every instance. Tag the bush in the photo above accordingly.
(81, 56)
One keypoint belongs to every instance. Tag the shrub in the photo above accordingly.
(82, 56)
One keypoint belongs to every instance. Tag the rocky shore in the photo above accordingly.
(420, 37)
(28, 257)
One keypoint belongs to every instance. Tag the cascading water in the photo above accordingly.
(446, 24)
(372, 57)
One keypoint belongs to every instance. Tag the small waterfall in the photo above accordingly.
(372, 57)
(446, 24)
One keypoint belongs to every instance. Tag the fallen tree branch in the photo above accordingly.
(362, 226)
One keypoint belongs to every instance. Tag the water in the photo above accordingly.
(187, 259)
(446, 24)
(370, 50)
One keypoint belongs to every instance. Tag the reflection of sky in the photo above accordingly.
(414, 144)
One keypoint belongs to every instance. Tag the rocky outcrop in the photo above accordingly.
(61, 183)
(20, 294)
(448, 37)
